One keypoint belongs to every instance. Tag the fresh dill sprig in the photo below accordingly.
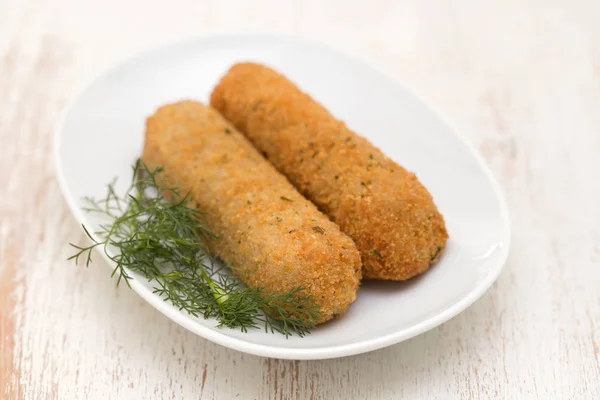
(163, 241)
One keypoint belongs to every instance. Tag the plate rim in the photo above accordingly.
(274, 351)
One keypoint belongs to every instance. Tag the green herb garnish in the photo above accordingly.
(319, 229)
(377, 253)
(435, 253)
(164, 240)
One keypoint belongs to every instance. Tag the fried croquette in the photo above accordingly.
(269, 232)
(383, 207)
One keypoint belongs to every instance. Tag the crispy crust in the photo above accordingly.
(379, 204)
(266, 228)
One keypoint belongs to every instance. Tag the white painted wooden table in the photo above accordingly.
(521, 79)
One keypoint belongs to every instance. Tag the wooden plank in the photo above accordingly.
(520, 79)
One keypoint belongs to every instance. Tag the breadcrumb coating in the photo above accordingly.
(383, 207)
(269, 232)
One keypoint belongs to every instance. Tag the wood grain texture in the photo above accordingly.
(521, 79)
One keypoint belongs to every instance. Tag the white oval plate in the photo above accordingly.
(101, 134)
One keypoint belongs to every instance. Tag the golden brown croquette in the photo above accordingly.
(273, 236)
(383, 207)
